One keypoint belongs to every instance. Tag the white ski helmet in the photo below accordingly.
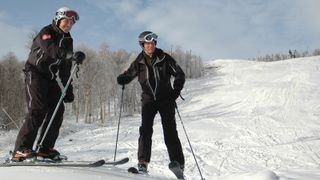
(65, 12)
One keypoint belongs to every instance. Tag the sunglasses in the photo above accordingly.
(150, 37)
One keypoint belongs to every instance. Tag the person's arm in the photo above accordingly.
(52, 47)
(179, 76)
(127, 76)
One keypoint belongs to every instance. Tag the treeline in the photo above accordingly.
(289, 55)
(97, 93)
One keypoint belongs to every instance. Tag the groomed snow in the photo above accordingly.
(246, 120)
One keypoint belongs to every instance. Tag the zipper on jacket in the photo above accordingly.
(148, 80)
(156, 77)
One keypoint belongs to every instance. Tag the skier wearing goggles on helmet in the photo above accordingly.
(51, 55)
(154, 69)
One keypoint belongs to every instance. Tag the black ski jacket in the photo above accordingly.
(155, 79)
(48, 53)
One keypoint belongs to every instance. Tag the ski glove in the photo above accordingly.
(175, 94)
(79, 57)
(69, 95)
(122, 79)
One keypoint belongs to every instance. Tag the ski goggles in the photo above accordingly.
(70, 15)
(150, 37)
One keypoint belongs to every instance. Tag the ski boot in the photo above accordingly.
(23, 154)
(50, 154)
(142, 167)
(177, 169)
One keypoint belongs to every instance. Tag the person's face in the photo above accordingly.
(149, 47)
(66, 24)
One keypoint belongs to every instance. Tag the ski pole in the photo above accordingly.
(185, 132)
(121, 103)
(10, 118)
(57, 107)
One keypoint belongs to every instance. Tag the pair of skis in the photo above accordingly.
(175, 168)
(66, 163)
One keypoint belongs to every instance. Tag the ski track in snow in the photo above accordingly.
(245, 120)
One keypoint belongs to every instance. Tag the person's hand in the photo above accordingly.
(69, 95)
(78, 57)
(175, 94)
(122, 79)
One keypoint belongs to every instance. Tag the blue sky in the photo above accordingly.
(210, 28)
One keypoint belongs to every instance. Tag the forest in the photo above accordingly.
(96, 91)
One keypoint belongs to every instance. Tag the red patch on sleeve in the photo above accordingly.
(46, 37)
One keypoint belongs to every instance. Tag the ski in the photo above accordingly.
(66, 163)
(114, 163)
(175, 168)
(56, 164)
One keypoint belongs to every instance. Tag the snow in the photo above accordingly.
(246, 120)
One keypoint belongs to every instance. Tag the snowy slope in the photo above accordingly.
(245, 119)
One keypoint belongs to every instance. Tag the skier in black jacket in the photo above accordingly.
(51, 52)
(154, 69)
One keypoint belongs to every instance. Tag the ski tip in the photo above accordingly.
(118, 162)
(98, 163)
(122, 161)
(126, 159)
(133, 170)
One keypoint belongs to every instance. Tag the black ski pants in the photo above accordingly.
(167, 113)
(42, 97)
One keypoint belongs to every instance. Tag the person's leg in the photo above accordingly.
(172, 141)
(148, 113)
(53, 132)
(36, 92)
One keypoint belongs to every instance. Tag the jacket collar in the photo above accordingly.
(158, 53)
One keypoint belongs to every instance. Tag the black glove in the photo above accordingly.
(175, 94)
(69, 95)
(122, 79)
(78, 57)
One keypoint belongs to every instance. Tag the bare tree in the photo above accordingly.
(190, 64)
(31, 36)
(11, 88)
(106, 81)
(83, 85)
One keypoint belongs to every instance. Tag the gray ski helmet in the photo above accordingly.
(147, 36)
(65, 12)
